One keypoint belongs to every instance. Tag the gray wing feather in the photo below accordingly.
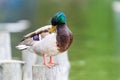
(28, 39)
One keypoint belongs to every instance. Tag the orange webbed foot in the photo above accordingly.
(49, 64)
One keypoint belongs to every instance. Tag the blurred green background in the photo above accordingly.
(94, 54)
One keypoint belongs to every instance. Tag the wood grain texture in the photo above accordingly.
(57, 72)
(11, 70)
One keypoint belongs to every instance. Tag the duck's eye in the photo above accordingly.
(36, 37)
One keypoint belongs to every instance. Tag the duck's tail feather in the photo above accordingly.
(22, 47)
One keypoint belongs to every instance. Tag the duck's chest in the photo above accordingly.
(64, 38)
(46, 46)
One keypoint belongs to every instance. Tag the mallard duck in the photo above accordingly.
(49, 40)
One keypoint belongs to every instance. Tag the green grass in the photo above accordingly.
(95, 68)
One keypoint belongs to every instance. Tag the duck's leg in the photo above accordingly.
(51, 61)
(44, 58)
(50, 64)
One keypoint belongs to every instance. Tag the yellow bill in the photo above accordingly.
(52, 29)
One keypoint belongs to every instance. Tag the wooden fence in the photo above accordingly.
(31, 67)
(15, 70)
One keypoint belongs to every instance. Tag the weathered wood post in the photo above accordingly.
(57, 72)
(30, 59)
(5, 48)
(11, 70)
(5, 29)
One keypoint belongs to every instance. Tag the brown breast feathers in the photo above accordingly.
(64, 38)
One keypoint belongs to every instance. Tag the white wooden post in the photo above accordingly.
(57, 72)
(30, 59)
(11, 70)
(5, 48)
(5, 44)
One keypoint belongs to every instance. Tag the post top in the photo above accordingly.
(11, 61)
(15, 27)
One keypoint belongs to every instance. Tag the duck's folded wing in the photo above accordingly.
(34, 36)
(41, 30)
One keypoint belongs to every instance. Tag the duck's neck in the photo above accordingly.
(61, 29)
(63, 37)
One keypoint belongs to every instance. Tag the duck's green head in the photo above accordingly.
(58, 19)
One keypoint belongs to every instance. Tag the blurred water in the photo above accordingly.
(14, 10)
